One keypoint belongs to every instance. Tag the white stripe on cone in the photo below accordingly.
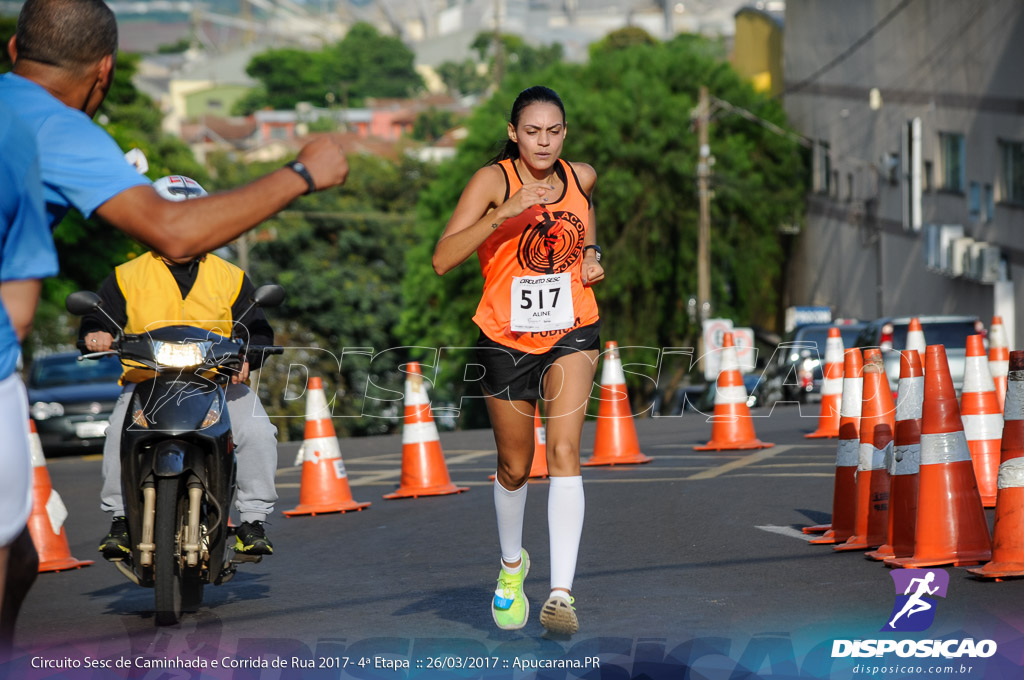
(977, 377)
(56, 511)
(853, 395)
(848, 453)
(832, 386)
(910, 398)
(870, 458)
(611, 370)
(415, 394)
(834, 350)
(35, 447)
(419, 433)
(947, 447)
(915, 340)
(320, 448)
(731, 395)
(983, 427)
(906, 460)
(1011, 474)
(316, 405)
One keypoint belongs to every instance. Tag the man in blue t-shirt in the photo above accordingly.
(26, 256)
(64, 52)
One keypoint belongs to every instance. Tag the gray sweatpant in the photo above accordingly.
(255, 447)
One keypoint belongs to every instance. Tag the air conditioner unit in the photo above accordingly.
(987, 263)
(948, 233)
(972, 267)
(960, 256)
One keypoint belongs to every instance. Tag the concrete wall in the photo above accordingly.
(955, 64)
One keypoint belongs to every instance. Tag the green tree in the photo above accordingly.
(628, 36)
(431, 124)
(518, 55)
(629, 116)
(363, 64)
(463, 77)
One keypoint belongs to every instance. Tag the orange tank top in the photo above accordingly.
(529, 257)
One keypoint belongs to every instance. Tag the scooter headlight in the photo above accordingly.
(180, 355)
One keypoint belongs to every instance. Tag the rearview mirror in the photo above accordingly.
(82, 302)
(270, 295)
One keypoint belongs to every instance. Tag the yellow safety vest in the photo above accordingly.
(153, 299)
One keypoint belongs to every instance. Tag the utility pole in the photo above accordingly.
(499, 47)
(704, 225)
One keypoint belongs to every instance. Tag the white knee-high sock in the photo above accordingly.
(510, 507)
(565, 525)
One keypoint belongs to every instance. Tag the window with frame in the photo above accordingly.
(974, 202)
(1011, 172)
(951, 159)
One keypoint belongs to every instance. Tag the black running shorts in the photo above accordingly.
(513, 375)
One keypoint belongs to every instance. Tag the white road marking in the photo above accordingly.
(787, 531)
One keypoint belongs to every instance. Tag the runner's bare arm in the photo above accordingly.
(592, 272)
(191, 228)
(479, 212)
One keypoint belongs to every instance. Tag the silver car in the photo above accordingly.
(890, 333)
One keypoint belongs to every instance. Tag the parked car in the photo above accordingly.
(71, 400)
(796, 370)
(890, 333)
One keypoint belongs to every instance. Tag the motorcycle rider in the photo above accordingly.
(153, 291)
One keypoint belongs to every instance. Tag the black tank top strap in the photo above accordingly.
(576, 179)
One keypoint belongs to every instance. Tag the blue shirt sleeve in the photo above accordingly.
(27, 249)
(83, 163)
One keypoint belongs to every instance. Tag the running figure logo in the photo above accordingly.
(914, 609)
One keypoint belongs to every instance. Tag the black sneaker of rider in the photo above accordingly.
(115, 545)
(251, 539)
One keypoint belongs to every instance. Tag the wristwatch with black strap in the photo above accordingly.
(597, 251)
(304, 173)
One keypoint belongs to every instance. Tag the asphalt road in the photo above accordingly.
(690, 566)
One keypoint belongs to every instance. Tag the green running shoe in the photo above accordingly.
(509, 607)
(559, 616)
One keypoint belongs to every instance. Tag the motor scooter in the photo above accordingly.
(177, 456)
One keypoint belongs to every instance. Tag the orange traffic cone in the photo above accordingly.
(46, 523)
(915, 337)
(998, 358)
(951, 527)
(905, 460)
(424, 472)
(831, 387)
(844, 494)
(615, 442)
(982, 418)
(731, 424)
(877, 426)
(324, 487)
(1008, 534)
(539, 468)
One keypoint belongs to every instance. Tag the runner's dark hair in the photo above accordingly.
(531, 95)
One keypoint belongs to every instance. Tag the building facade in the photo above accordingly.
(915, 113)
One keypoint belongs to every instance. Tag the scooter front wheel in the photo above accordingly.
(167, 591)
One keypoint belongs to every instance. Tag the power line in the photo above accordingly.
(848, 52)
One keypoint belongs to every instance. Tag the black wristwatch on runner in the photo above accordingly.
(304, 174)
(597, 251)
